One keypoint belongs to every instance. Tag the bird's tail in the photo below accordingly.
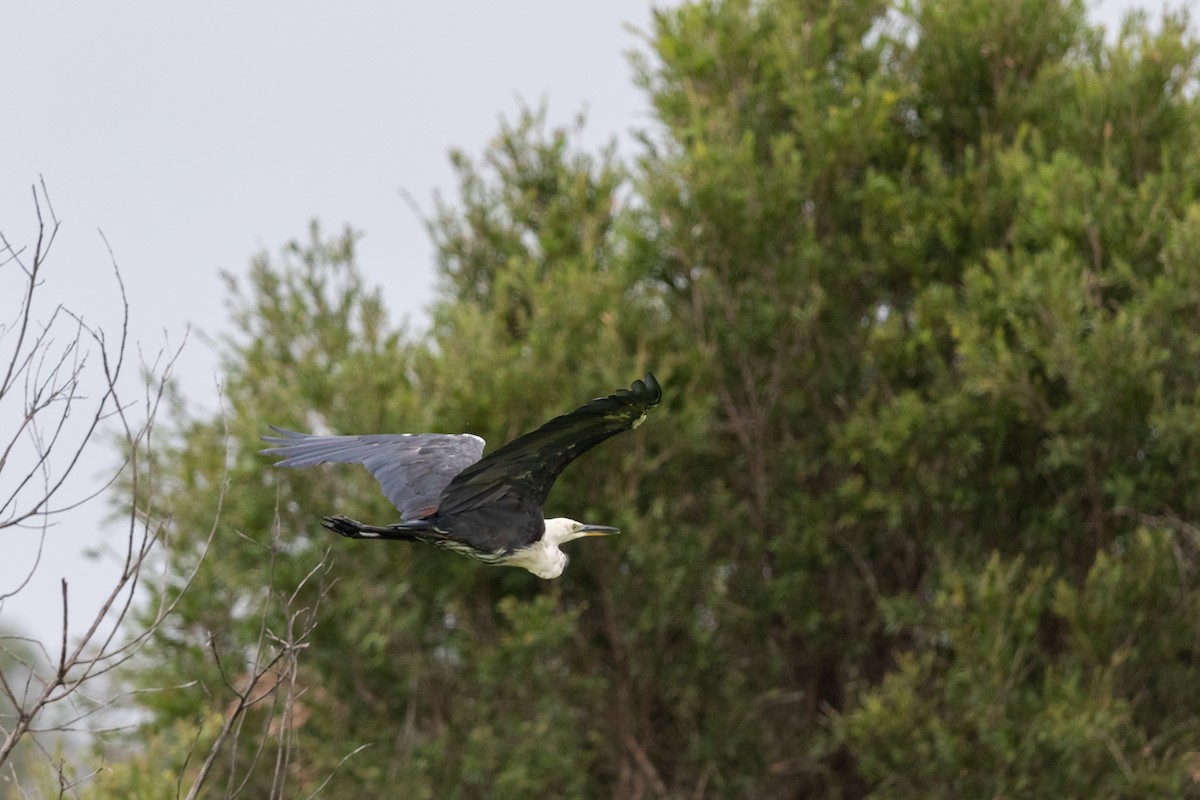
(353, 529)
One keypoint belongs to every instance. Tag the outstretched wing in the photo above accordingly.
(412, 468)
(523, 470)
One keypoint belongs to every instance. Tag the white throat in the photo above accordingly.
(544, 558)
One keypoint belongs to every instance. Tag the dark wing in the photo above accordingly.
(412, 468)
(523, 470)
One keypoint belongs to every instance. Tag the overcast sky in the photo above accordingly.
(198, 135)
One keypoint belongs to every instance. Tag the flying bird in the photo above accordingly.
(487, 507)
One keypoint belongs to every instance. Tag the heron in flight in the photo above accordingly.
(487, 507)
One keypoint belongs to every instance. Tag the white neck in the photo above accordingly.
(543, 558)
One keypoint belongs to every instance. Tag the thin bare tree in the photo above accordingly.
(62, 391)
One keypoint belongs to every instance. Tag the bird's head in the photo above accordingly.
(560, 529)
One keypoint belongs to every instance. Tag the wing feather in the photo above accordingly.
(527, 467)
(413, 469)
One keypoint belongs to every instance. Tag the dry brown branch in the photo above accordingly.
(270, 675)
(65, 377)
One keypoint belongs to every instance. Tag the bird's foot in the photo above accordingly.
(344, 526)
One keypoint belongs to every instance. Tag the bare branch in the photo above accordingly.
(66, 376)
(62, 660)
(275, 666)
(66, 392)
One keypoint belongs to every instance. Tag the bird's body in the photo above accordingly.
(489, 508)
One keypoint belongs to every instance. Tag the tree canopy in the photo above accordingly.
(917, 516)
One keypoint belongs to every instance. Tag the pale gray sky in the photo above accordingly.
(198, 135)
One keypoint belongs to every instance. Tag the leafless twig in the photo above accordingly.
(66, 378)
(65, 375)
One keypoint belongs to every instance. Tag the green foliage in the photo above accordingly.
(1022, 685)
(917, 516)
(154, 767)
(19, 662)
